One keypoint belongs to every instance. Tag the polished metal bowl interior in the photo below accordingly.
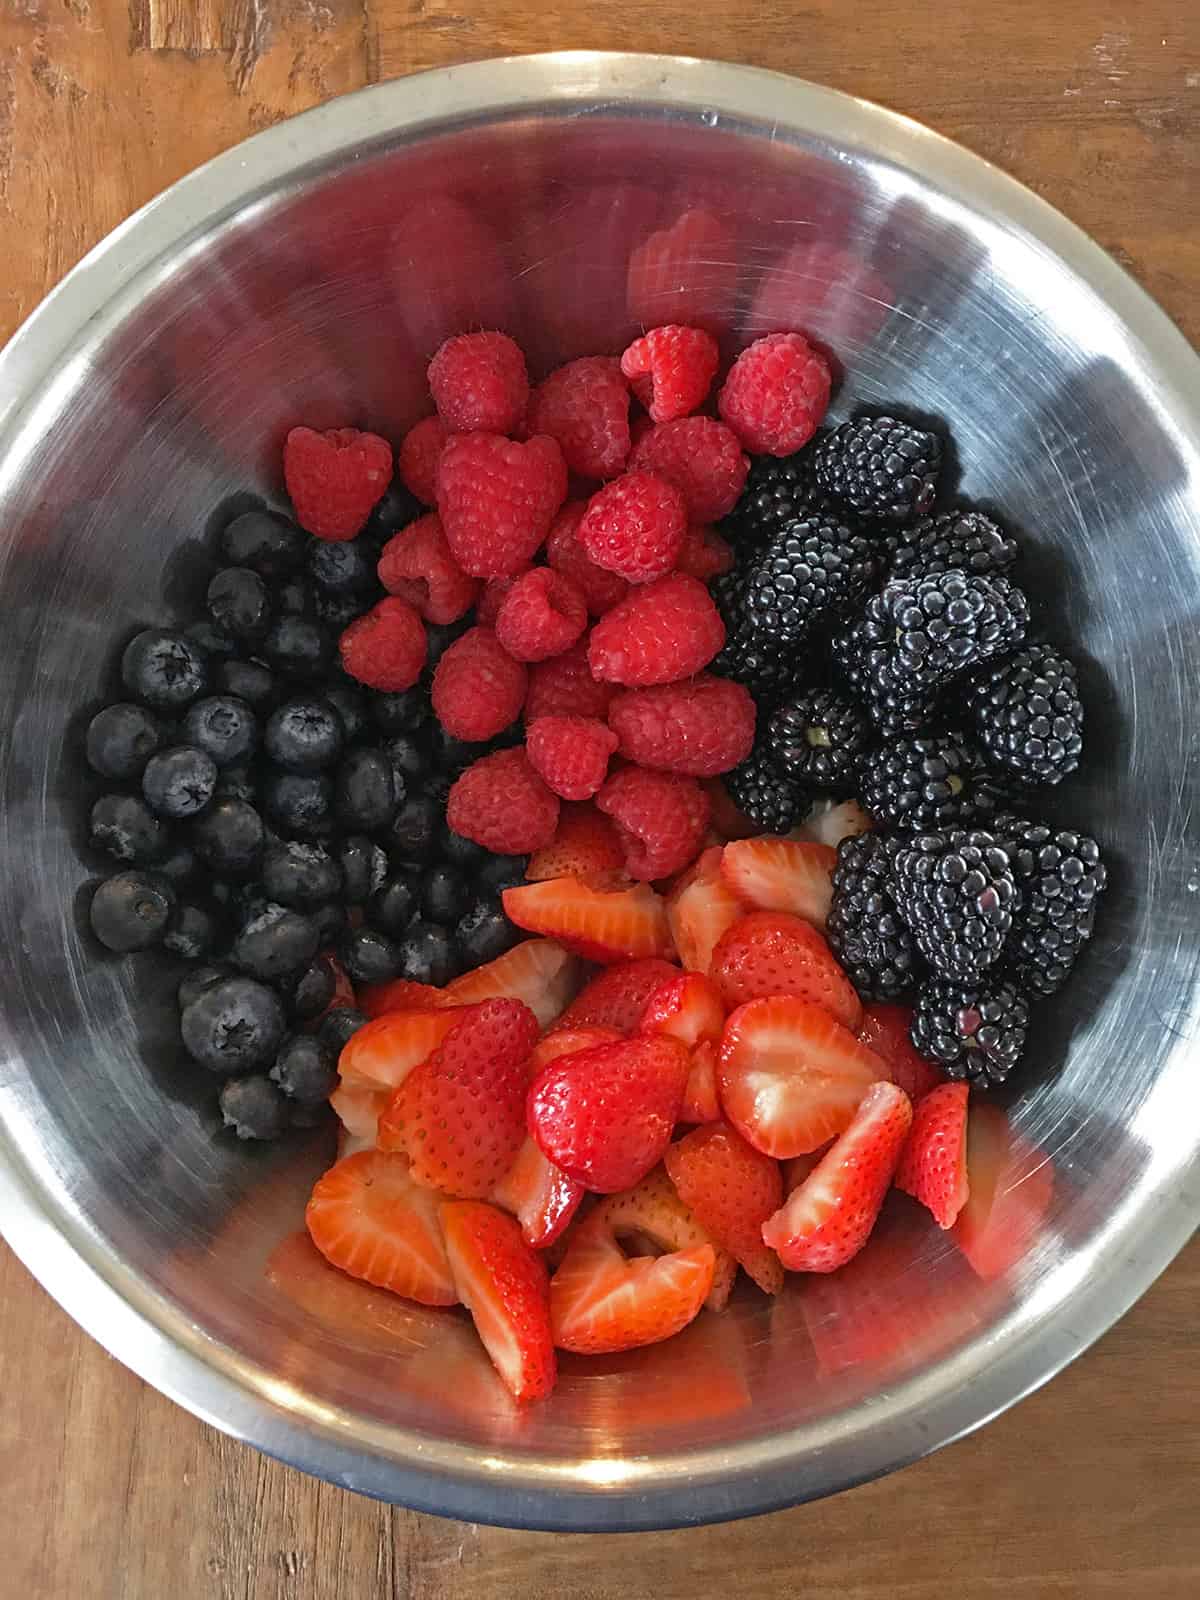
(306, 277)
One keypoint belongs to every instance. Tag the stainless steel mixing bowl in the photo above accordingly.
(305, 276)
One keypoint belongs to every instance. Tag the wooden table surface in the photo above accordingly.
(1086, 1490)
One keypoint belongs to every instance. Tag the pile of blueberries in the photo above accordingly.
(266, 810)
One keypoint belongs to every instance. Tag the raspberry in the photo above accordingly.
(705, 554)
(571, 753)
(479, 383)
(661, 817)
(701, 457)
(478, 689)
(564, 687)
(776, 393)
(635, 527)
(686, 273)
(585, 406)
(492, 598)
(420, 452)
(701, 727)
(335, 478)
(498, 499)
(541, 616)
(664, 631)
(417, 565)
(601, 590)
(671, 370)
(385, 647)
(502, 804)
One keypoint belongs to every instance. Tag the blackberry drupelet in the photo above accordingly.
(861, 653)
(865, 931)
(922, 783)
(1061, 877)
(818, 739)
(958, 895)
(964, 539)
(879, 467)
(778, 490)
(1028, 714)
(943, 625)
(769, 670)
(770, 799)
(811, 570)
(976, 1032)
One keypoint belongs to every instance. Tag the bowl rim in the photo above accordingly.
(137, 1324)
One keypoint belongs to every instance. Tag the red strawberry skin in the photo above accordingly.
(617, 998)
(933, 1168)
(335, 478)
(885, 1029)
(605, 1116)
(731, 1189)
(505, 1287)
(770, 954)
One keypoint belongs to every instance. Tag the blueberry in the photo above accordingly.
(444, 896)
(213, 640)
(300, 804)
(342, 566)
(337, 611)
(428, 955)
(130, 911)
(368, 955)
(269, 543)
(191, 932)
(238, 783)
(164, 669)
(356, 857)
(410, 759)
(484, 933)
(253, 1107)
(453, 755)
(498, 873)
(329, 921)
(298, 647)
(304, 734)
(313, 989)
(232, 1026)
(197, 980)
(179, 782)
(300, 875)
(400, 713)
(179, 865)
(438, 639)
(459, 851)
(247, 680)
(351, 707)
(278, 943)
(395, 509)
(229, 837)
(224, 727)
(294, 598)
(126, 829)
(238, 602)
(339, 1026)
(305, 1069)
(414, 827)
(365, 790)
(121, 739)
(394, 904)
(248, 901)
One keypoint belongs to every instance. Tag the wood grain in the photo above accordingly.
(1086, 1491)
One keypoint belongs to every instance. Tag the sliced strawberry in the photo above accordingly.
(349, 1144)
(359, 1109)
(700, 908)
(377, 999)
(615, 925)
(781, 875)
(541, 1197)
(885, 1029)
(368, 1217)
(460, 1115)
(1010, 1184)
(505, 1287)
(933, 1168)
(617, 997)
(768, 954)
(653, 1211)
(383, 1053)
(539, 972)
(605, 1115)
(601, 1301)
(567, 1041)
(830, 824)
(827, 1220)
(687, 1007)
(585, 845)
(700, 1102)
(790, 1077)
(731, 1189)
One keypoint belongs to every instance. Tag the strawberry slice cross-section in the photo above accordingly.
(505, 1287)
(602, 1300)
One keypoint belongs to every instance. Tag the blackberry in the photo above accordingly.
(769, 798)
(769, 670)
(778, 490)
(922, 783)
(1028, 714)
(810, 570)
(975, 1032)
(957, 893)
(879, 467)
(818, 738)
(861, 654)
(1061, 876)
(964, 539)
(945, 624)
(864, 929)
